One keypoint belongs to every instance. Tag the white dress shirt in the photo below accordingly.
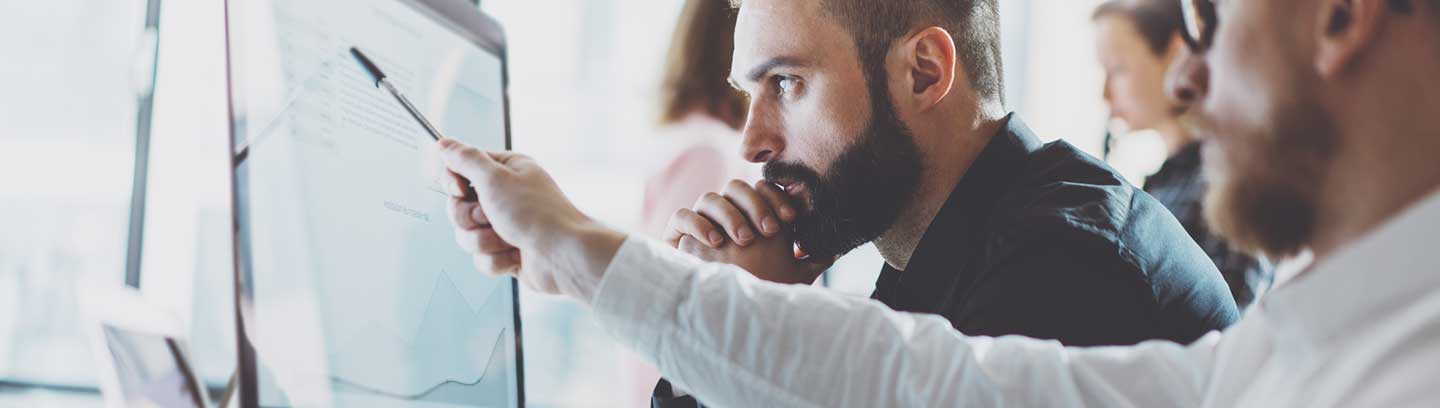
(1361, 329)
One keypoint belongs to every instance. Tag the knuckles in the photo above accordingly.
(736, 186)
(707, 198)
(692, 246)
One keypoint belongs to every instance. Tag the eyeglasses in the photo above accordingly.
(1200, 22)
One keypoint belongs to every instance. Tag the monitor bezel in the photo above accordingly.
(459, 16)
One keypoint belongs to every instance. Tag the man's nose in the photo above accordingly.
(1188, 80)
(761, 143)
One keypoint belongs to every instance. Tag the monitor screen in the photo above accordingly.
(352, 289)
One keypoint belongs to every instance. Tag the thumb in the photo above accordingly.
(473, 164)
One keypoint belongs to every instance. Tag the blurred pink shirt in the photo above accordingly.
(705, 154)
(702, 155)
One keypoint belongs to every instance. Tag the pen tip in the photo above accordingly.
(369, 66)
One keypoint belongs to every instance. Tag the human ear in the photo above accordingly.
(1176, 47)
(1346, 29)
(932, 66)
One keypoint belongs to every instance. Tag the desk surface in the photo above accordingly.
(37, 397)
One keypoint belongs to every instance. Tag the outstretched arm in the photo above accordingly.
(733, 340)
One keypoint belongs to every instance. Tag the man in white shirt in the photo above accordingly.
(1320, 119)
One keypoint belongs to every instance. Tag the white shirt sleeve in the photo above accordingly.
(735, 341)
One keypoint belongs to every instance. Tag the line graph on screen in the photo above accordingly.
(457, 354)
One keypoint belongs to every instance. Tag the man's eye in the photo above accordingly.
(786, 84)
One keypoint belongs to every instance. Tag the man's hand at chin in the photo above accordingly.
(771, 259)
(744, 226)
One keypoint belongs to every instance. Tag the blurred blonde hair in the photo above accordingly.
(697, 69)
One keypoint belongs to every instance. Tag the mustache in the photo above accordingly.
(1195, 123)
(776, 170)
(1181, 109)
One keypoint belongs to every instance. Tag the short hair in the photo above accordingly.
(697, 69)
(876, 25)
(1405, 7)
(1435, 8)
(1157, 21)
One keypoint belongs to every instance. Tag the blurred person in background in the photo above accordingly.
(1137, 40)
(700, 114)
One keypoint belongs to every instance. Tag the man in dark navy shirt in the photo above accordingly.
(1044, 241)
(881, 122)
(1048, 242)
(1035, 239)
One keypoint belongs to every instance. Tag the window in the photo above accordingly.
(67, 127)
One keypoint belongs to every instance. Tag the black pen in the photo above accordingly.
(381, 81)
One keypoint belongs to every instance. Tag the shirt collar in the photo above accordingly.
(1186, 159)
(941, 260)
(1389, 268)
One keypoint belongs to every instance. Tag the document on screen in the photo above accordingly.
(355, 273)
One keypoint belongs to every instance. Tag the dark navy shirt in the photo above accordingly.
(1180, 186)
(1045, 241)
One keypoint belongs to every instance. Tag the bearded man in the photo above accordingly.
(876, 129)
(1320, 119)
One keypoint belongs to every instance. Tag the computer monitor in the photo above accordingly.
(350, 288)
(140, 350)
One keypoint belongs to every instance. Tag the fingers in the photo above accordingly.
(692, 246)
(687, 222)
(755, 207)
(738, 213)
(472, 229)
(457, 186)
(482, 241)
(476, 170)
(779, 201)
(727, 215)
(467, 215)
(500, 264)
(467, 169)
(468, 162)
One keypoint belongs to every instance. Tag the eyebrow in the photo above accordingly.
(761, 70)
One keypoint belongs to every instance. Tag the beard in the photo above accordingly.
(864, 191)
(1265, 187)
